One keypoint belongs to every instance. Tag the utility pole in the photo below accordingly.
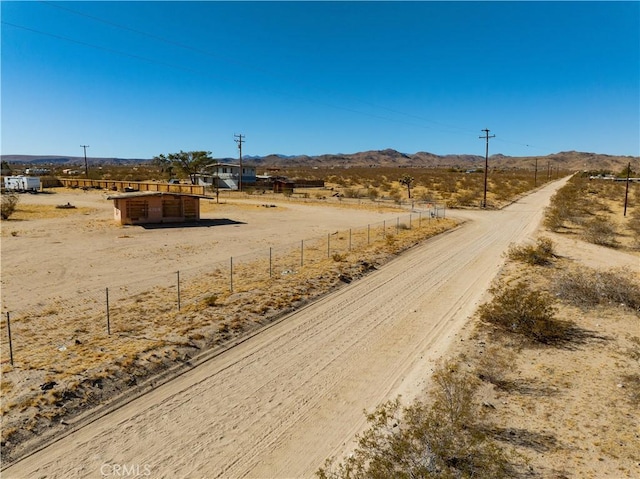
(239, 139)
(535, 175)
(486, 164)
(86, 166)
(626, 190)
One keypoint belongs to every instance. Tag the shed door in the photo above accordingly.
(171, 207)
(190, 210)
(137, 209)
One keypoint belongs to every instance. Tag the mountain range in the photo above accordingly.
(566, 160)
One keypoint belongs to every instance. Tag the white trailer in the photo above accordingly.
(21, 183)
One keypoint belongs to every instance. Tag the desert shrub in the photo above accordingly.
(600, 231)
(395, 195)
(634, 225)
(9, 205)
(539, 255)
(338, 257)
(554, 217)
(437, 440)
(210, 300)
(494, 364)
(587, 287)
(373, 193)
(522, 310)
(352, 193)
(467, 198)
(632, 381)
(570, 204)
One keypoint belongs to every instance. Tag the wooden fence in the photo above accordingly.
(132, 185)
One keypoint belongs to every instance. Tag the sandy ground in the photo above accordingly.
(282, 402)
(84, 250)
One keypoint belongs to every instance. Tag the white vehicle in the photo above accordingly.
(21, 183)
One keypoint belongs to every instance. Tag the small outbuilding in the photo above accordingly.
(148, 207)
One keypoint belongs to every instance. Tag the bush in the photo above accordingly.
(352, 193)
(441, 440)
(600, 231)
(587, 287)
(539, 255)
(634, 225)
(522, 310)
(9, 204)
(210, 300)
(494, 365)
(553, 218)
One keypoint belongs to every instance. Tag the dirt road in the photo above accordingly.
(279, 404)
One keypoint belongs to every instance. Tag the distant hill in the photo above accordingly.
(68, 160)
(566, 160)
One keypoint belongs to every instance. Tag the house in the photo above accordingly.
(143, 207)
(227, 176)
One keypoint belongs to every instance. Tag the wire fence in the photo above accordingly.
(165, 307)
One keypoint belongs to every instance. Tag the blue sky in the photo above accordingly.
(136, 79)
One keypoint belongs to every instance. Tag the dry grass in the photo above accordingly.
(25, 212)
(569, 408)
(454, 187)
(592, 210)
(67, 339)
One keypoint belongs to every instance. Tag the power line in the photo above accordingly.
(253, 67)
(158, 38)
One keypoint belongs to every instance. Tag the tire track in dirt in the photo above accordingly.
(278, 404)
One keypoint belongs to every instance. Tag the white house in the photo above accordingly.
(227, 176)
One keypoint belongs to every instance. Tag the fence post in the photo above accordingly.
(328, 245)
(108, 314)
(178, 273)
(10, 344)
(270, 263)
(368, 234)
(419, 219)
(231, 275)
(301, 253)
(409, 220)
(397, 225)
(349, 239)
(384, 229)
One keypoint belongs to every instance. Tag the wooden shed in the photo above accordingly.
(142, 207)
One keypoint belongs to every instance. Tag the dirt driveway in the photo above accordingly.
(282, 402)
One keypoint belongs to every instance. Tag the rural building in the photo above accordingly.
(146, 207)
(227, 176)
(283, 185)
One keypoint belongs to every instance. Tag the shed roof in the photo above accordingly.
(142, 194)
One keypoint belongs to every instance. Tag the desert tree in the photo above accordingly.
(407, 181)
(190, 163)
(163, 164)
